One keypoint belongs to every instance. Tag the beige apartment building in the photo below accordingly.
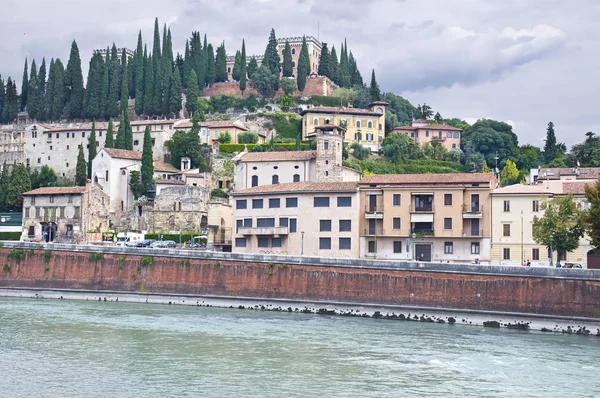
(427, 217)
(421, 131)
(366, 126)
(513, 210)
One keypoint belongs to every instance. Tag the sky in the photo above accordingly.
(525, 62)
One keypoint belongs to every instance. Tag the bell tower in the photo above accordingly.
(329, 140)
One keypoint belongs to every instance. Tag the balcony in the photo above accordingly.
(470, 233)
(475, 210)
(421, 209)
(373, 231)
(263, 231)
(374, 211)
(420, 232)
(421, 213)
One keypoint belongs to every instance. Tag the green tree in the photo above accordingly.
(92, 107)
(287, 66)
(192, 92)
(243, 71)
(562, 221)
(4, 182)
(58, 103)
(237, 63)
(356, 79)
(252, 67)
(136, 185)
(509, 174)
(45, 177)
(272, 60)
(264, 81)
(148, 86)
(529, 157)
(92, 150)
(18, 183)
(334, 66)
(24, 86)
(187, 144)
(110, 131)
(221, 64)
(400, 147)
(175, 96)
(11, 101)
(224, 137)
(550, 147)
(288, 86)
(591, 218)
(302, 70)
(210, 65)
(80, 168)
(124, 138)
(359, 151)
(374, 89)
(247, 138)
(490, 137)
(324, 61)
(74, 83)
(139, 78)
(114, 83)
(49, 99)
(344, 67)
(362, 98)
(147, 161)
(124, 83)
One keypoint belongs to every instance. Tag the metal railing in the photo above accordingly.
(374, 208)
(473, 208)
(373, 231)
(422, 209)
(422, 231)
(472, 232)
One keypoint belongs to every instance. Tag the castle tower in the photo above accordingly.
(329, 140)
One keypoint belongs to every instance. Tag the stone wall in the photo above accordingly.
(573, 293)
(314, 86)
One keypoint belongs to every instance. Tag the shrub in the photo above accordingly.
(185, 237)
(95, 256)
(17, 255)
(6, 268)
(10, 236)
(31, 253)
(146, 261)
(224, 138)
(121, 262)
(185, 263)
(218, 265)
(1, 244)
(218, 193)
(317, 100)
(236, 148)
(247, 138)
(47, 255)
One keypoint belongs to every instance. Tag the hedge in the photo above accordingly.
(174, 237)
(10, 236)
(317, 100)
(236, 148)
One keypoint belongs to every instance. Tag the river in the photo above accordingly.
(60, 348)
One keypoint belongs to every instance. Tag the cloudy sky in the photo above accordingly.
(525, 62)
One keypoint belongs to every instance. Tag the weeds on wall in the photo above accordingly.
(185, 263)
(31, 253)
(95, 257)
(17, 255)
(146, 261)
(6, 268)
(47, 256)
(121, 263)
(218, 265)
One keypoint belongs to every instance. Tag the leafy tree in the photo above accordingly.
(509, 174)
(285, 101)
(243, 68)
(550, 148)
(45, 177)
(247, 138)
(4, 182)
(586, 154)
(264, 81)
(221, 64)
(399, 111)
(92, 150)
(136, 185)
(81, 168)
(193, 92)
(24, 86)
(399, 147)
(475, 162)
(271, 59)
(74, 83)
(360, 152)
(147, 161)
(489, 137)
(374, 89)
(287, 85)
(324, 61)
(562, 221)
(235, 73)
(363, 98)
(252, 67)
(18, 183)
(591, 218)
(424, 112)
(175, 96)
(224, 137)
(110, 130)
(287, 67)
(529, 157)
(187, 143)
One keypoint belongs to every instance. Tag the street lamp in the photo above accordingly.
(414, 237)
(302, 248)
(551, 241)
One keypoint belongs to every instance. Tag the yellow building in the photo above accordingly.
(366, 126)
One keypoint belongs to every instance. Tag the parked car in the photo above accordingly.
(146, 243)
(169, 244)
(572, 265)
(157, 244)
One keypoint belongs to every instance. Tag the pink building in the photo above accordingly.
(422, 131)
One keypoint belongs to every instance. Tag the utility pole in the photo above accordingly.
(496, 158)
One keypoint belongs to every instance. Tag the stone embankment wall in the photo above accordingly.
(314, 86)
(569, 294)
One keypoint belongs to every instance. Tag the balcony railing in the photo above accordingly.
(373, 208)
(472, 232)
(263, 231)
(422, 209)
(422, 231)
(373, 231)
(473, 208)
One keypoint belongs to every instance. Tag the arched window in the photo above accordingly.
(293, 51)
(293, 64)
(449, 135)
(315, 121)
(379, 110)
(296, 177)
(254, 181)
(123, 172)
(370, 124)
(275, 179)
(358, 123)
(228, 70)
(453, 146)
(456, 135)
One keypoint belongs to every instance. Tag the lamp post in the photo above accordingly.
(302, 248)
(551, 241)
(414, 242)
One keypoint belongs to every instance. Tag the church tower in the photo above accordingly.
(329, 140)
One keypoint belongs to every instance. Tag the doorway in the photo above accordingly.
(423, 252)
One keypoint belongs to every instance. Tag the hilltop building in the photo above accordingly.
(421, 131)
(104, 53)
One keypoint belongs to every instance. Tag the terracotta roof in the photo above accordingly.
(581, 173)
(340, 111)
(524, 189)
(194, 175)
(574, 188)
(87, 127)
(151, 122)
(166, 167)
(303, 186)
(56, 191)
(283, 156)
(450, 178)
(169, 182)
(432, 127)
(123, 154)
(379, 103)
(186, 124)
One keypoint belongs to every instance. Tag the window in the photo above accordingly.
(265, 222)
(241, 204)
(315, 121)
(506, 206)
(371, 246)
(254, 181)
(293, 225)
(67, 146)
(453, 146)
(283, 222)
(321, 201)
(506, 254)
(447, 199)
(276, 242)
(51, 198)
(106, 176)
(274, 203)
(344, 201)
(357, 136)
(358, 123)
(247, 223)
(293, 51)
(240, 242)
(474, 247)
(412, 134)
(136, 142)
(397, 246)
(396, 223)
(505, 229)
(426, 133)
(370, 124)
(31, 231)
(326, 145)
(33, 200)
(535, 254)
(536, 206)
(275, 179)
(238, 224)
(397, 199)
(70, 198)
(440, 135)
(296, 177)
(76, 212)
(456, 135)
(263, 241)
(257, 203)
(345, 243)
(325, 225)
(324, 243)
(345, 225)
(83, 134)
(448, 248)
(449, 135)
(291, 202)
(447, 223)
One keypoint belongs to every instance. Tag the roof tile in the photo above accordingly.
(339, 111)
(450, 178)
(277, 156)
(123, 154)
(56, 191)
(303, 186)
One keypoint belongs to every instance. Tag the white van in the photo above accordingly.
(130, 239)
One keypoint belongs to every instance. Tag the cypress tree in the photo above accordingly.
(179, 65)
(304, 49)
(124, 82)
(110, 131)
(221, 64)
(243, 68)
(187, 63)
(138, 72)
(121, 133)
(235, 73)
(374, 89)
(80, 169)
(104, 86)
(210, 65)
(130, 70)
(41, 92)
(324, 61)
(175, 94)
(58, 103)
(550, 146)
(2, 95)
(148, 86)
(287, 67)
(147, 168)
(74, 82)
(334, 66)
(114, 84)
(92, 104)
(156, 45)
(272, 55)
(11, 102)
(252, 67)
(4, 180)
(355, 76)
(193, 93)
(302, 71)
(49, 99)
(31, 91)
(139, 83)
(24, 86)
(128, 131)
(92, 150)
(156, 67)
(344, 72)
